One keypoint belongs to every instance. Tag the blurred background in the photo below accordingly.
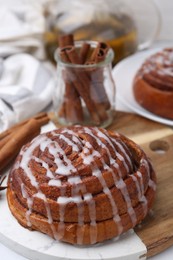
(127, 25)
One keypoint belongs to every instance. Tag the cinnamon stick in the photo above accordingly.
(20, 137)
(82, 82)
(99, 55)
(71, 108)
(100, 52)
(42, 119)
(4, 140)
(83, 53)
(72, 55)
(98, 91)
(65, 40)
(62, 110)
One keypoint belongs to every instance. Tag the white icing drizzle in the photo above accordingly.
(74, 180)
(42, 196)
(145, 163)
(98, 174)
(123, 188)
(45, 165)
(152, 184)
(139, 174)
(77, 180)
(141, 196)
(118, 155)
(63, 201)
(78, 186)
(53, 182)
(88, 158)
(161, 63)
(107, 191)
(65, 169)
(80, 234)
(61, 224)
(166, 71)
(120, 185)
(29, 203)
(92, 213)
(123, 151)
(67, 140)
(24, 164)
(65, 166)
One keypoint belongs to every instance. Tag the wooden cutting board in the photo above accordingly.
(156, 231)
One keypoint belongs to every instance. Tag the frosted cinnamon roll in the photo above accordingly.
(153, 84)
(81, 185)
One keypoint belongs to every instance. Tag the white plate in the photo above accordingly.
(123, 74)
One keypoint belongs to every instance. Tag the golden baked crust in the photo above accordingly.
(81, 185)
(153, 84)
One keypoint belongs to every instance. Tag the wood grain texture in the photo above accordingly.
(156, 231)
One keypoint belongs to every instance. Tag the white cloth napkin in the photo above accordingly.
(22, 24)
(26, 87)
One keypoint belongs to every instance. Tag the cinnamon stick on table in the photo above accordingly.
(18, 138)
(4, 140)
(42, 119)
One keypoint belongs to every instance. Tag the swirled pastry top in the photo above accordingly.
(153, 84)
(81, 184)
(157, 70)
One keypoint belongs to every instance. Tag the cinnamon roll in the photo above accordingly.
(81, 185)
(153, 84)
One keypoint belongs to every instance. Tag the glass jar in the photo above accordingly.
(84, 94)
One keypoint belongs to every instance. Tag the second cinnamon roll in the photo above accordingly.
(153, 84)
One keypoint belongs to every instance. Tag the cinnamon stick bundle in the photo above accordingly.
(82, 84)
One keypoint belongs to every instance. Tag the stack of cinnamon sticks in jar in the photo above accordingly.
(12, 140)
(85, 92)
